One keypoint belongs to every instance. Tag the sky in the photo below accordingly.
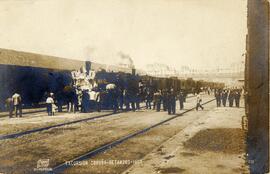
(196, 33)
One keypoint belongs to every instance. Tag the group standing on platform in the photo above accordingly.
(232, 95)
(166, 98)
(85, 101)
(123, 99)
(116, 98)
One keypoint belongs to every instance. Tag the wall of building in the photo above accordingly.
(257, 85)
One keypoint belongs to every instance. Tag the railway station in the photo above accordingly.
(62, 114)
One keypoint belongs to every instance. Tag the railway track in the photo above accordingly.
(61, 167)
(19, 134)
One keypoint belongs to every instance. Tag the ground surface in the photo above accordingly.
(214, 143)
(203, 138)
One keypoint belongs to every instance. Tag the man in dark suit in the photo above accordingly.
(165, 100)
(218, 97)
(181, 100)
(171, 101)
(231, 98)
(224, 96)
(237, 98)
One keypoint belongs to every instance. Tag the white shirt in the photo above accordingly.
(49, 100)
(92, 95)
(16, 99)
(199, 98)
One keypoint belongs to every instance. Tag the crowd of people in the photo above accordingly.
(232, 95)
(116, 98)
(96, 99)
(166, 98)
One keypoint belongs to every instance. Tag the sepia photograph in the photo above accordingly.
(134, 86)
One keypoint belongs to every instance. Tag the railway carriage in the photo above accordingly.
(32, 75)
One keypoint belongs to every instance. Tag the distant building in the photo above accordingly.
(161, 70)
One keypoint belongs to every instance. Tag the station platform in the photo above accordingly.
(215, 143)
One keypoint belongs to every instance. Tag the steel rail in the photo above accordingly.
(60, 168)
